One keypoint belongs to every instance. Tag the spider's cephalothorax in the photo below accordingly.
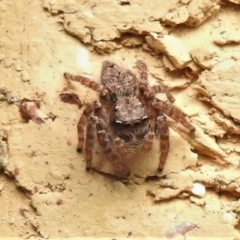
(128, 117)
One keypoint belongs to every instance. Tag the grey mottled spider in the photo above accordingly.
(126, 118)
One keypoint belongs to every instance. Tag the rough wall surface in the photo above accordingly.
(192, 46)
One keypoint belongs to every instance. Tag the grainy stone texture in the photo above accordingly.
(224, 76)
(45, 191)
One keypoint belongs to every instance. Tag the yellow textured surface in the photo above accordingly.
(45, 191)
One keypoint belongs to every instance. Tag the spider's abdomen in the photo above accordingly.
(119, 82)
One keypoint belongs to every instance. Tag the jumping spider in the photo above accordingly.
(127, 118)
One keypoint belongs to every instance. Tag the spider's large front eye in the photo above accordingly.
(144, 118)
(118, 122)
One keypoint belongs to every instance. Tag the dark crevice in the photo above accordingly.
(125, 3)
(152, 178)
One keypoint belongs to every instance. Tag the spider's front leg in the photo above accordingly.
(149, 92)
(172, 112)
(88, 83)
(163, 130)
(90, 139)
(83, 121)
(105, 142)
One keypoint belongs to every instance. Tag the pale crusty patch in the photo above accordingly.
(176, 16)
(235, 1)
(31, 165)
(209, 126)
(172, 47)
(227, 124)
(168, 63)
(91, 25)
(164, 194)
(191, 69)
(172, 186)
(221, 181)
(57, 6)
(192, 13)
(229, 144)
(171, 82)
(106, 47)
(226, 79)
(16, 212)
(199, 11)
(194, 69)
(202, 142)
(133, 41)
(204, 58)
(181, 184)
(228, 37)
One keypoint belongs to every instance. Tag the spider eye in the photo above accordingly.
(145, 117)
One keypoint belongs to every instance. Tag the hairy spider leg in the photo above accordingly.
(120, 169)
(149, 92)
(88, 83)
(164, 140)
(173, 113)
(83, 121)
(90, 139)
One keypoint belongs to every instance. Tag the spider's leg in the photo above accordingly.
(83, 121)
(120, 169)
(142, 68)
(164, 140)
(148, 141)
(88, 83)
(149, 92)
(174, 113)
(90, 138)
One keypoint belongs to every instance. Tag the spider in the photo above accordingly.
(126, 118)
